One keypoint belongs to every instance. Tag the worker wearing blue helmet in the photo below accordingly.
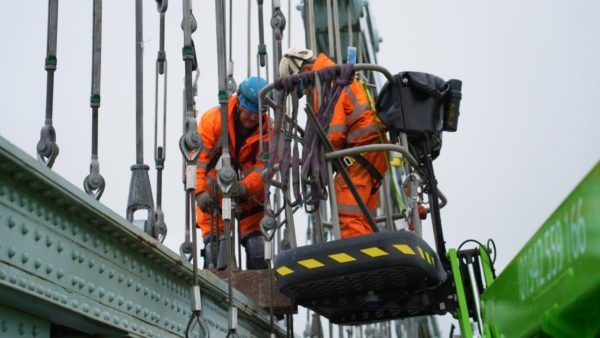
(244, 145)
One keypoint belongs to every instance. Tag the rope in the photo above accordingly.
(94, 183)
(47, 149)
(160, 152)
(332, 81)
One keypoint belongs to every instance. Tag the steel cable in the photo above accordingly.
(47, 149)
(94, 183)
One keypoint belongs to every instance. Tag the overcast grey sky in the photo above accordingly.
(528, 130)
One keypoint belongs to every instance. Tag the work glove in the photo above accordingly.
(205, 202)
(238, 189)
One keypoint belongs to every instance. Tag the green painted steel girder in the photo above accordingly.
(552, 287)
(68, 260)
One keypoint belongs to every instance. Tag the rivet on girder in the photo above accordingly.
(24, 229)
(120, 300)
(101, 268)
(138, 287)
(48, 293)
(24, 257)
(96, 312)
(105, 315)
(32, 206)
(91, 263)
(111, 297)
(96, 243)
(64, 299)
(13, 196)
(55, 296)
(37, 263)
(81, 283)
(91, 287)
(81, 258)
(49, 241)
(11, 222)
(40, 290)
(134, 327)
(145, 312)
(4, 325)
(60, 273)
(85, 237)
(60, 247)
(125, 323)
(21, 329)
(30, 285)
(12, 278)
(111, 273)
(129, 282)
(138, 309)
(74, 254)
(101, 292)
(74, 303)
(74, 280)
(49, 269)
(85, 307)
(129, 305)
(2, 275)
(146, 291)
(37, 236)
(121, 278)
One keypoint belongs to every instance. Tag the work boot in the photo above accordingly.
(209, 254)
(254, 244)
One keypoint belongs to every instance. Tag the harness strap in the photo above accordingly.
(372, 171)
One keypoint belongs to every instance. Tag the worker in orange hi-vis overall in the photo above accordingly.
(244, 145)
(353, 124)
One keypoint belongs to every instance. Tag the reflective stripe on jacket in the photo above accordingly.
(353, 122)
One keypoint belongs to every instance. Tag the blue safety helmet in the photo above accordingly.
(248, 93)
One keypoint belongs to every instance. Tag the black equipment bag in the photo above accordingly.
(419, 104)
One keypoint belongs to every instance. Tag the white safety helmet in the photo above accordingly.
(293, 60)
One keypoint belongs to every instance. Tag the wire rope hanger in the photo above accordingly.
(190, 145)
(94, 183)
(140, 191)
(160, 151)
(47, 149)
(226, 176)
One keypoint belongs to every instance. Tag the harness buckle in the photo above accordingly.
(348, 161)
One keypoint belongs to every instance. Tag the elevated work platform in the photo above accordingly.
(73, 267)
(552, 287)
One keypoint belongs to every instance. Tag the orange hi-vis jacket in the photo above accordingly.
(248, 162)
(354, 124)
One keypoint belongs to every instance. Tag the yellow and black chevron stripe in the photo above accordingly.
(356, 256)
